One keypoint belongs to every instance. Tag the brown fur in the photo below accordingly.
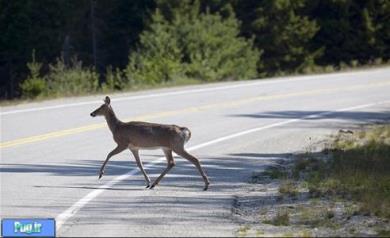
(136, 135)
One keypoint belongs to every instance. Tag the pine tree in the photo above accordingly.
(187, 43)
(352, 30)
(158, 57)
(285, 34)
(211, 46)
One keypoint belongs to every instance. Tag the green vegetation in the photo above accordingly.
(243, 230)
(196, 45)
(71, 80)
(358, 169)
(282, 218)
(349, 178)
(305, 233)
(259, 233)
(60, 80)
(34, 85)
(383, 233)
(285, 41)
(316, 217)
(121, 45)
(288, 187)
(158, 59)
(275, 173)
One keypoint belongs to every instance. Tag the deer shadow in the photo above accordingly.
(184, 174)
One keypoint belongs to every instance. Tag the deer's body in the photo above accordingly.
(144, 135)
(138, 135)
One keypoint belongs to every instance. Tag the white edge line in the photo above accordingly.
(137, 97)
(71, 211)
(238, 84)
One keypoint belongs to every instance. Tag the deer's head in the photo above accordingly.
(103, 109)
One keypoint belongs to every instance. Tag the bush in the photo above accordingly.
(158, 58)
(194, 45)
(34, 85)
(114, 80)
(286, 35)
(72, 80)
(211, 47)
(60, 79)
(289, 188)
(282, 218)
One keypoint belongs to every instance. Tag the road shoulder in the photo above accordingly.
(276, 205)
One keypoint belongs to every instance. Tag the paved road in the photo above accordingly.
(51, 151)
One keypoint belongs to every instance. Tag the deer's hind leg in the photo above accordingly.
(171, 164)
(183, 153)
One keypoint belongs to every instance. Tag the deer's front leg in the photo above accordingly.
(171, 164)
(115, 151)
(140, 166)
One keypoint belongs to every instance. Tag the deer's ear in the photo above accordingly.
(107, 100)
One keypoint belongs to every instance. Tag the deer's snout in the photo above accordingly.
(93, 114)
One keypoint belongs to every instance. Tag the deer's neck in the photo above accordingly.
(112, 120)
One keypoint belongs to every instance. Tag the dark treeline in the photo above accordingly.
(116, 43)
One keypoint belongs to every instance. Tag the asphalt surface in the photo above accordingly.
(51, 151)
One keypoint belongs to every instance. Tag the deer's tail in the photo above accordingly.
(186, 132)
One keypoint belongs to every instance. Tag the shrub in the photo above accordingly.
(289, 188)
(72, 80)
(190, 44)
(211, 47)
(34, 85)
(114, 80)
(282, 218)
(158, 57)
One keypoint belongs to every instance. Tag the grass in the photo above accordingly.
(243, 230)
(383, 233)
(282, 218)
(305, 233)
(259, 233)
(305, 163)
(317, 217)
(350, 177)
(275, 173)
(351, 210)
(132, 88)
(189, 81)
(270, 172)
(288, 187)
(358, 170)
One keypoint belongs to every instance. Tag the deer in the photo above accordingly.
(137, 135)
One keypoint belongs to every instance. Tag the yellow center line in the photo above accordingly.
(221, 105)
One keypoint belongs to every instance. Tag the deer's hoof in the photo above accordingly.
(206, 186)
(147, 186)
(151, 187)
(101, 174)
